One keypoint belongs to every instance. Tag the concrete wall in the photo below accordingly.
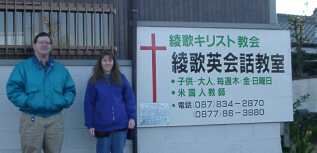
(76, 138)
(239, 138)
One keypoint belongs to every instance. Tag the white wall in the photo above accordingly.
(238, 138)
(76, 138)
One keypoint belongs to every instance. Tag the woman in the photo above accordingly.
(109, 105)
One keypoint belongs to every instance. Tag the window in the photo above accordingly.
(2, 30)
(97, 32)
(19, 28)
(54, 27)
(88, 29)
(46, 21)
(110, 32)
(36, 23)
(62, 30)
(71, 29)
(105, 32)
(10, 24)
(68, 29)
(28, 28)
(80, 29)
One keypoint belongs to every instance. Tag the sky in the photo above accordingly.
(298, 7)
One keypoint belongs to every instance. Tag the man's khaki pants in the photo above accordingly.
(39, 133)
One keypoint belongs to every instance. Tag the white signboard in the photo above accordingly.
(199, 76)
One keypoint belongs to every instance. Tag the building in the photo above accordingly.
(310, 43)
(310, 29)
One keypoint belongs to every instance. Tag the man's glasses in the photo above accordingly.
(44, 42)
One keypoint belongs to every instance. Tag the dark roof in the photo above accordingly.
(310, 26)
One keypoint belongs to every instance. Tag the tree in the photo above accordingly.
(296, 25)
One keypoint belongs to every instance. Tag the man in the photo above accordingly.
(41, 88)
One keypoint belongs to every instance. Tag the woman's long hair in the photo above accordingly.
(98, 72)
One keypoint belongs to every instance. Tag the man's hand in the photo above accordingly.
(92, 131)
(131, 124)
